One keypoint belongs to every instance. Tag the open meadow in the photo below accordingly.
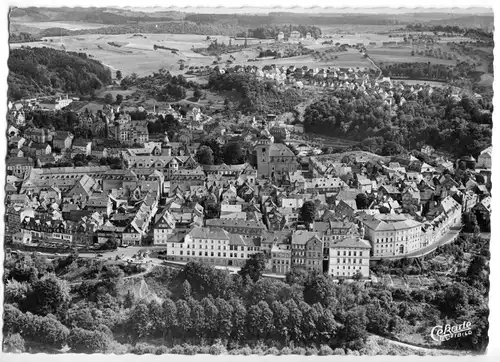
(69, 25)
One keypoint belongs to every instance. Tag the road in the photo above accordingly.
(449, 237)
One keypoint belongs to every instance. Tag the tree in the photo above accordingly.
(139, 323)
(205, 155)
(362, 202)
(233, 154)
(470, 223)
(319, 288)
(197, 93)
(186, 290)
(254, 267)
(84, 341)
(119, 99)
(308, 212)
(355, 325)
(169, 316)
(49, 295)
(118, 74)
(108, 98)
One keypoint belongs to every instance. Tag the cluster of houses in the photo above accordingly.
(221, 214)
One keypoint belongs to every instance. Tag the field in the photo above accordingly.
(70, 25)
(403, 55)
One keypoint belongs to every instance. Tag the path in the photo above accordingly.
(418, 348)
(141, 274)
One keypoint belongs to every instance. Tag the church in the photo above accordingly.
(273, 159)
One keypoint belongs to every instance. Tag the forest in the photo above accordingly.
(42, 71)
(256, 96)
(88, 306)
(459, 127)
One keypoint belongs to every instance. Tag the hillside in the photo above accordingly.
(473, 21)
(36, 71)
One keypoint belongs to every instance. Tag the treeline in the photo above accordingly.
(272, 31)
(202, 306)
(256, 96)
(89, 15)
(35, 71)
(428, 71)
(462, 128)
(173, 27)
(23, 37)
(293, 18)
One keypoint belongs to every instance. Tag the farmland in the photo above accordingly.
(69, 25)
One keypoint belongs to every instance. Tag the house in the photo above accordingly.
(303, 251)
(22, 237)
(20, 166)
(281, 258)
(163, 227)
(349, 257)
(484, 159)
(242, 227)
(482, 211)
(82, 146)
(62, 140)
(39, 135)
(40, 149)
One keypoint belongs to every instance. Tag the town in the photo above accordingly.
(268, 183)
(332, 213)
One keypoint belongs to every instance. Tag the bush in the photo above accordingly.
(258, 350)
(299, 351)
(204, 350)
(245, 351)
(142, 348)
(352, 353)
(217, 349)
(311, 351)
(273, 351)
(14, 343)
(162, 350)
(190, 350)
(325, 351)
(286, 351)
(177, 349)
(338, 352)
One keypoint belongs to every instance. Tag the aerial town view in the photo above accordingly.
(248, 183)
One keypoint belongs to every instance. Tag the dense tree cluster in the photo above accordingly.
(256, 96)
(201, 305)
(35, 71)
(272, 31)
(462, 127)
(430, 71)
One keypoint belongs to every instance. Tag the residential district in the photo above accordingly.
(362, 206)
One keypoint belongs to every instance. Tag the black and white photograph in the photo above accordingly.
(240, 181)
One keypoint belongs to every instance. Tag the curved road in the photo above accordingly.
(417, 348)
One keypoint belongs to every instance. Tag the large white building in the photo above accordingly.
(348, 257)
(392, 234)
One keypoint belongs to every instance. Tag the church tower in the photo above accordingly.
(263, 152)
(166, 148)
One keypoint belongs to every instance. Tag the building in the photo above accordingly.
(281, 36)
(484, 159)
(294, 36)
(163, 228)
(281, 259)
(82, 146)
(303, 252)
(62, 140)
(391, 234)
(20, 166)
(235, 226)
(56, 104)
(274, 159)
(280, 133)
(349, 257)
